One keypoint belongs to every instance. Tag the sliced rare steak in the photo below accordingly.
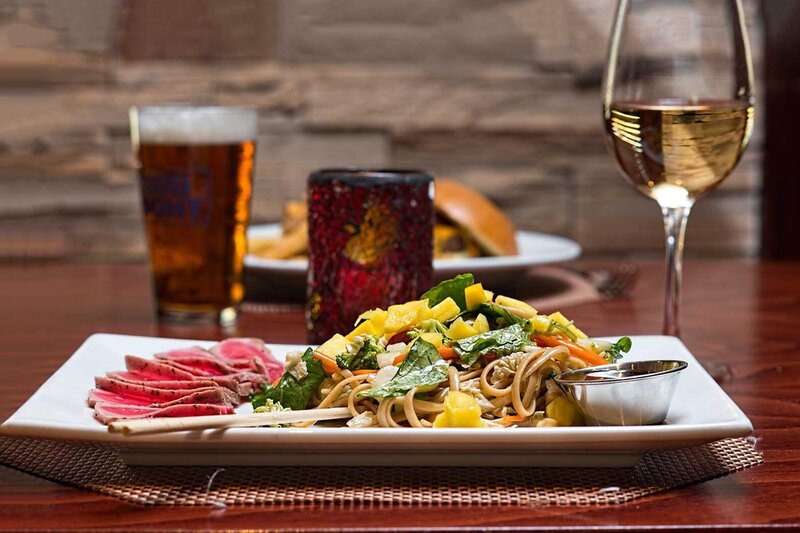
(106, 413)
(180, 353)
(156, 395)
(156, 370)
(248, 354)
(185, 382)
(197, 371)
(130, 377)
(201, 396)
(206, 364)
(241, 389)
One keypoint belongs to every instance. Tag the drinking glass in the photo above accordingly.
(678, 108)
(196, 178)
(370, 244)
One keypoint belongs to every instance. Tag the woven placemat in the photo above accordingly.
(99, 468)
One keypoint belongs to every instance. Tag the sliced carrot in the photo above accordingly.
(585, 354)
(276, 381)
(447, 352)
(399, 359)
(363, 371)
(512, 419)
(328, 364)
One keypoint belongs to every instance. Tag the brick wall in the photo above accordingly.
(501, 94)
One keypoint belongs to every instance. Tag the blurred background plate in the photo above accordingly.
(535, 249)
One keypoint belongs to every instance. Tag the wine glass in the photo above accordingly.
(678, 108)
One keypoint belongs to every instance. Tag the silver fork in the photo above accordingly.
(618, 283)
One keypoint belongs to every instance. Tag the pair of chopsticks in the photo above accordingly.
(187, 423)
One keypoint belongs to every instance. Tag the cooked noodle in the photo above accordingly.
(512, 390)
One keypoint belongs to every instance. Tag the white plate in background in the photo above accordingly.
(534, 249)
(700, 412)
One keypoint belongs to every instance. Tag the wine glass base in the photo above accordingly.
(720, 372)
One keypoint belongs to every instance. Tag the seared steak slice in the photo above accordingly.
(198, 365)
(248, 354)
(208, 395)
(106, 413)
(156, 370)
(241, 389)
(157, 395)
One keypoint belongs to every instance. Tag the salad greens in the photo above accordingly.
(422, 367)
(623, 345)
(429, 326)
(290, 392)
(558, 327)
(366, 358)
(450, 288)
(499, 342)
(500, 314)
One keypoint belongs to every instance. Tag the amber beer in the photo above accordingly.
(196, 174)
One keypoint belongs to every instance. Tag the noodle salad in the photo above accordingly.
(457, 357)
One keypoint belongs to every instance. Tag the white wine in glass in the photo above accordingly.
(678, 108)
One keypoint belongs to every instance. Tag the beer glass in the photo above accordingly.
(196, 175)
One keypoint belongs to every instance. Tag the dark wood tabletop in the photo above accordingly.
(744, 313)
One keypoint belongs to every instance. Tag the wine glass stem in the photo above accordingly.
(675, 228)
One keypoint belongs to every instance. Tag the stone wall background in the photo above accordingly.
(503, 94)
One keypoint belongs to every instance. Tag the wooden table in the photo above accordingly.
(745, 313)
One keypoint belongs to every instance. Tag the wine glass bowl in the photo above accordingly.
(678, 108)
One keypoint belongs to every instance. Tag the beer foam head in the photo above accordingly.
(193, 125)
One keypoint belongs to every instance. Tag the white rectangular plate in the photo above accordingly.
(700, 412)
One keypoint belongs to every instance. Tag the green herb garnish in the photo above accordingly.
(614, 353)
(499, 342)
(422, 367)
(290, 392)
(502, 316)
(429, 326)
(561, 328)
(366, 358)
(450, 288)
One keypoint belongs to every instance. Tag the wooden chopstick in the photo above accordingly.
(164, 425)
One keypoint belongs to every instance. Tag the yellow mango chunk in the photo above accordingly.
(460, 411)
(460, 330)
(445, 310)
(365, 328)
(481, 324)
(376, 316)
(540, 323)
(333, 346)
(404, 316)
(433, 338)
(506, 301)
(564, 411)
(561, 319)
(475, 295)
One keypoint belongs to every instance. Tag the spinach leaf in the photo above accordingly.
(365, 358)
(500, 314)
(614, 353)
(423, 366)
(291, 392)
(453, 288)
(500, 342)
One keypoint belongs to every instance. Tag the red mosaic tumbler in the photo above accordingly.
(370, 238)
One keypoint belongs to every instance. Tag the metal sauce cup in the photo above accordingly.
(627, 394)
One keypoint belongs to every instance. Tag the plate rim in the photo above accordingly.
(571, 250)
